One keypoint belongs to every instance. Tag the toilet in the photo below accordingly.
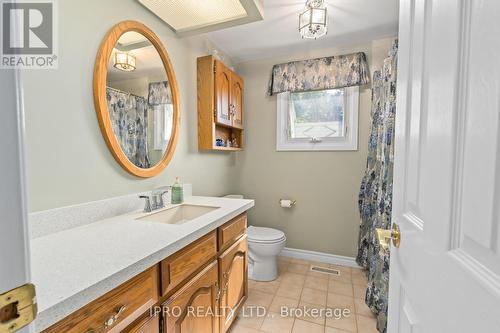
(264, 245)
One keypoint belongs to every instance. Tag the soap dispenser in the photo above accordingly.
(177, 192)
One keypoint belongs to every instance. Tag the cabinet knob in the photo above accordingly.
(219, 292)
(108, 322)
(225, 276)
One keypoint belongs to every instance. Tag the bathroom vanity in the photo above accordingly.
(178, 269)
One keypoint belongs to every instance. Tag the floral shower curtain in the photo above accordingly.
(129, 119)
(375, 197)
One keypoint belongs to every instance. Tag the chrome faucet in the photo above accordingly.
(155, 201)
(157, 196)
(147, 204)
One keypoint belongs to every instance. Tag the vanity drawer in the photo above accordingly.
(119, 307)
(231, 231)
(185, 262)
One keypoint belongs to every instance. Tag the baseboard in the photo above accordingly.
(319, 256)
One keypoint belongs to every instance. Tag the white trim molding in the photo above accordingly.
(326, 258)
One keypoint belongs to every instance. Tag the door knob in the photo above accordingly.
(385, 236)
(396, 235)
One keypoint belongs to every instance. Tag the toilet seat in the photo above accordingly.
(265, 235)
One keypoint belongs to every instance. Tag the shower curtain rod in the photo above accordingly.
(124, 92)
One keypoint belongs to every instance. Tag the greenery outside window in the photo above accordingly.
(318, 120)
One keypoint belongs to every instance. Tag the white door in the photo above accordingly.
(445, 277)
(14, 244)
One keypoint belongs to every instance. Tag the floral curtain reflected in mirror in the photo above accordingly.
(139, 125)
(129, 118)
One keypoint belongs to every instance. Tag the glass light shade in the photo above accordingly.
(313, 22)
(124, 61)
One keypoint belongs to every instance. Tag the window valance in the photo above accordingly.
(159, 93)
(321, 73)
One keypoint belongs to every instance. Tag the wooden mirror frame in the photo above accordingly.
(101, 105)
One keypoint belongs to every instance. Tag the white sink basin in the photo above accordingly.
(178, 214)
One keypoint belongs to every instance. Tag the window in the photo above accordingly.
(318, 120)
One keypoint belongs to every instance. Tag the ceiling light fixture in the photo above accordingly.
(313, 20)
(124, 61)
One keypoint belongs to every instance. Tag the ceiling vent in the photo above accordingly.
(189, 17)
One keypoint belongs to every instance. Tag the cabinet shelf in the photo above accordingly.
(229, 126)
(220, 105)
(226, 148)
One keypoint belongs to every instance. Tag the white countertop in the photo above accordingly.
(73, 267)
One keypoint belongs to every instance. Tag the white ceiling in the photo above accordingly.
(350, 22)
(188, 17)
(131, 37)
(186, 14)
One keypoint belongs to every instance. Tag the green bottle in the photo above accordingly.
(177, 192)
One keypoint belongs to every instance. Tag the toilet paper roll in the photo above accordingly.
(285, 203)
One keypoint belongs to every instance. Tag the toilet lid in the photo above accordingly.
(261, 234)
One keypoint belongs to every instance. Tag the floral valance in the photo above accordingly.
(321, 73)
(159, 93)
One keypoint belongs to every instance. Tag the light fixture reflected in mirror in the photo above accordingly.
(313, 20)
(124, 61)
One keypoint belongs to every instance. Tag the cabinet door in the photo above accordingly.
(237, 101)
(233, 279)
(194, 308)
(146, 325)
(222, 94)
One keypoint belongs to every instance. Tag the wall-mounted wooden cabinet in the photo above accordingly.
(220, 106)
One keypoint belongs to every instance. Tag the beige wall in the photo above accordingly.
(68, 161)
(325, 184)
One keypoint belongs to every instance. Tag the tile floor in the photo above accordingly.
(298, 287)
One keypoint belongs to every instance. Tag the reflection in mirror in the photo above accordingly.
(139, 100)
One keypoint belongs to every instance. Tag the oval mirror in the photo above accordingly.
(136, 98)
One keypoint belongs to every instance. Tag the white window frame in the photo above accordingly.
(162, 125)
(347, 143)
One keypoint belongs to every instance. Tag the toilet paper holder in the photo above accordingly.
(287, 203)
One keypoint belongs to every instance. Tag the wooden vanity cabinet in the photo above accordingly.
(179, 266)
(195, 306)
(219, 296)
(220, 105)
(116, 310)
(200, 289)
(233, 265)
(146, 325)
(228, 233)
